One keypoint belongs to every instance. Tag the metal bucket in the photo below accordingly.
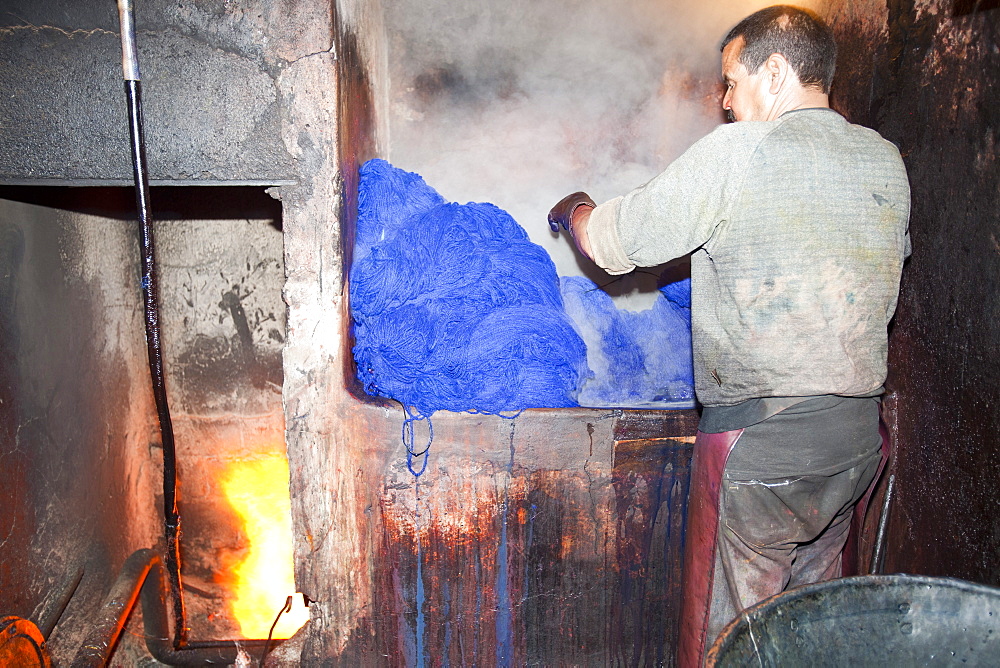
(873, 620)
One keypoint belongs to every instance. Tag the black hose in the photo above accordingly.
(140, 174)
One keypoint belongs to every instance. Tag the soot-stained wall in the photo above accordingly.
(521, 102)
(80, 445)
(210, 94)
(931, 85)
(938, 95)
(220, 268)
(78, 449)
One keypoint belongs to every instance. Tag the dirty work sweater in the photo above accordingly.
(797, 230)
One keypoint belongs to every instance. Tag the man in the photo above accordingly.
(796, 222)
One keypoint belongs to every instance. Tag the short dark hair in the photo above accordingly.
(802, 37)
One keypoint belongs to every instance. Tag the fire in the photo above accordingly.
(257, 489)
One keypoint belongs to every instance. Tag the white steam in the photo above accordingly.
(520, 102)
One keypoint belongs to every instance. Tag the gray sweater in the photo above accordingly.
(798, 231)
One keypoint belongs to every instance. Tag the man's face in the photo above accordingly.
(745, 93)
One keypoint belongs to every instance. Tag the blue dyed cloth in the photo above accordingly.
(455, 309)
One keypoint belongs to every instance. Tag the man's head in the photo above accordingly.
(774, 55)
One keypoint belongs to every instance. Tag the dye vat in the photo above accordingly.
(873, 620)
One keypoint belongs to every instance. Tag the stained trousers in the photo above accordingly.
(748, 538)
(781, 533)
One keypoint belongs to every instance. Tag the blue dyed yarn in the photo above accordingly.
(454, 308)
(638, 359)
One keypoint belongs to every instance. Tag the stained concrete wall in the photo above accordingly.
(934, 92)
(548, 479)
(78, 445)
(210, 98)
(79, 430)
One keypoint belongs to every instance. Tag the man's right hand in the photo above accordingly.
(562, 213)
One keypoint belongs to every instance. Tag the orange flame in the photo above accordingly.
(258, 491)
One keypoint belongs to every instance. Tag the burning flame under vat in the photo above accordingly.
(257, 489)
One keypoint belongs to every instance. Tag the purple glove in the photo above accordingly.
(562, 213)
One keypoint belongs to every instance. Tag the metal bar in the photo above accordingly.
(157, 629)
(100, 642)
(130, 58)
(49, 616)
(878, 558)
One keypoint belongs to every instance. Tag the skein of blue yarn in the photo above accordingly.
(454, 308)
(638, 359)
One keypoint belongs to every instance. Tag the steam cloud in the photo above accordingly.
(519, 102)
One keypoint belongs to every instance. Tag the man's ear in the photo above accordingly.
(776, 69)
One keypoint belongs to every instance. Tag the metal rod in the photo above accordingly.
(130, 58)
(140, 173)
(883, 521)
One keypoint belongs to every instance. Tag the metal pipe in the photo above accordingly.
(156, 625)
(101, 640)
(141, 578)
(53, 611)
(140, 173)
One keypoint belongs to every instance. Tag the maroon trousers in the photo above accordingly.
(709, 461)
